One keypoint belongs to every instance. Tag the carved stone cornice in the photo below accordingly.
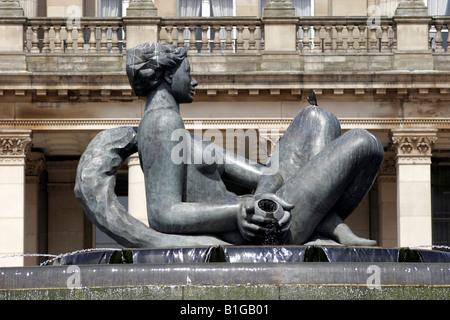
(254, 123)
(413, 146)
(14, 142)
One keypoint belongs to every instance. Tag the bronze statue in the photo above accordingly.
(321, 175)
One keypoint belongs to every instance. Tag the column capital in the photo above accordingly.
(413, 146)
(14, 145)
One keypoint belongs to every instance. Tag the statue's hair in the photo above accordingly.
(147, 62)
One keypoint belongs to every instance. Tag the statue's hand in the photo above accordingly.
(252, 227)
(255, 227)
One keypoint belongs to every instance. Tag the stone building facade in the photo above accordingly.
(381, 65)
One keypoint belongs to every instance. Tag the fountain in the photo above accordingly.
(286, 240)
(275, 272)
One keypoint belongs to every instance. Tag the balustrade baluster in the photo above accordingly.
(103, 40)
(384, 38)
(350, 39)
(262, 45)
(35, 40)
(58, 48)
(46, 40)
(169, 38)
(75, 39)
(328, 36)
(339, 39)
(69, 41)
(217, 48)
(180, 38)
(228, 39)
(299, 37)
(323, 37)
(92, 39)
(317, 41)
(240, 39)
(305, 40)
(51, 37)
(115, 40)
(28, 39)
(252, 38)
(192, 38)
(362, 38)
(205, 42)
(439, 47)
(373, 43)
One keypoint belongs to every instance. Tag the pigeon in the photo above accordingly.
(312, 99)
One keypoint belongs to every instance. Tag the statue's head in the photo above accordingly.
(151, 64)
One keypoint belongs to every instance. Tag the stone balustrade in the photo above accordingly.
(86, 35)
(346, 34)
(214, 35)
(315, 35)
(89, 44)
(440, 25)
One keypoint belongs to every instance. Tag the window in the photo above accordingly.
(438, 7)
(201, 8)
(109, 8)
(222, 8)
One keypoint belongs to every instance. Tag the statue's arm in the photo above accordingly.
(165, 180)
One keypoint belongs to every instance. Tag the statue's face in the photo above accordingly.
(183, 85)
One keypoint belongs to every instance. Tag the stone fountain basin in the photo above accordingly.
(260, 272)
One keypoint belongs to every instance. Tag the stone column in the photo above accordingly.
(414, 216)
(137, 205)
(280, 26)
(387, 201)
(141, 23)
(35, 166)
(14, 145)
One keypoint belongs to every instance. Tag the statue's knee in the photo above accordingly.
(364, 140)
(319, 116)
